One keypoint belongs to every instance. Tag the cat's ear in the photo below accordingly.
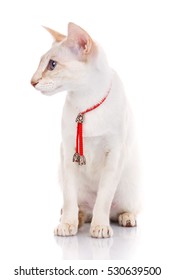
(58, 37)
(80, 39)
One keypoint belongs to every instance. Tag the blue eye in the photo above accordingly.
(51, 65)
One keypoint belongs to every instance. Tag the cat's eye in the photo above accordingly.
(51, 65)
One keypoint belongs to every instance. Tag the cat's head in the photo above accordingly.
(68, 63)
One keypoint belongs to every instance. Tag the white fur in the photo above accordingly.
(107, 185)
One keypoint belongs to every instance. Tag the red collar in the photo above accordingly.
(78, 156)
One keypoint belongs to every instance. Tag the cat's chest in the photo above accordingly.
(96, 123)
(95, 151)
(89, 175)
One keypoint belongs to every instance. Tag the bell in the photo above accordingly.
(80, 118)
(82, 160)
(76, 157)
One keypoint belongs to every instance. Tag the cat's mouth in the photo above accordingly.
(51, 92)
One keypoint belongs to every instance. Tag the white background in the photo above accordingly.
(137, 36)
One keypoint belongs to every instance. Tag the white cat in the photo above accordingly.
(100, 183)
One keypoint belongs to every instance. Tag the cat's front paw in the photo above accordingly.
(101, 231)
(127, 220)
(65, 229)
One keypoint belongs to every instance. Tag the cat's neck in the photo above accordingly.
(92, 91)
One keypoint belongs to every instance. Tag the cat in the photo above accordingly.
(100, 182)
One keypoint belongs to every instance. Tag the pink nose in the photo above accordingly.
(34, 83)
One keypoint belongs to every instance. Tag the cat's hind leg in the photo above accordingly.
(127, 202)
(81, 218)
(127, 219)
(84, 216)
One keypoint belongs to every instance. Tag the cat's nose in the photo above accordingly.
(34, 83)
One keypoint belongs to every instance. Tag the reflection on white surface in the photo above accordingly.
(150, 240)
(122, 245)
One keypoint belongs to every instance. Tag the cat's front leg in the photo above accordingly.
(100, 225)
(69, 220)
